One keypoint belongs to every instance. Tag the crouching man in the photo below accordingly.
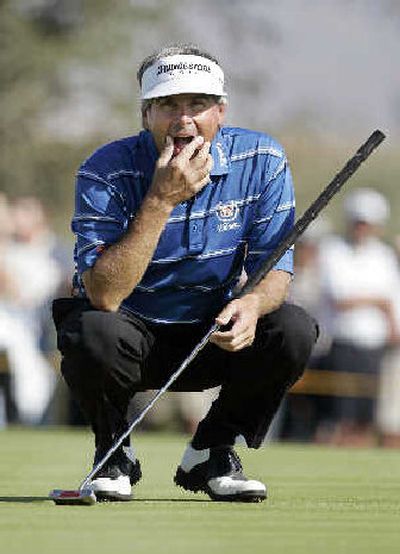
(166, 222)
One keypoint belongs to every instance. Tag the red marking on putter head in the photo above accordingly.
(69, 494)
(73, 497)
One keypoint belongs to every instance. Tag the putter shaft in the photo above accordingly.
(309, 215)
(151, 403)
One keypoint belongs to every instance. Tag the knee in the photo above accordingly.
(109, 341)
(298, 332)
(90, 337)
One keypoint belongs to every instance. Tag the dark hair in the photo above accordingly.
(172, 50)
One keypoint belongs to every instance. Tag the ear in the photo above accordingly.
(146, 107)
(145, 124)
(221, 114)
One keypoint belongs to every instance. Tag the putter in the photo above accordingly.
(84, 495)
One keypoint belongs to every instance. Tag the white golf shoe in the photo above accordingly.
(114, 481)
(219, 473)
(112, 488)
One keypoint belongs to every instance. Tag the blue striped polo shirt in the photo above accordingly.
(232, 224)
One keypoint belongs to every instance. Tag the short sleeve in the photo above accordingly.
(273, 220)
(100, 217)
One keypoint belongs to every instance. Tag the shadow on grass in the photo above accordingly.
(33, 499)
(201, 500)
(23, 499)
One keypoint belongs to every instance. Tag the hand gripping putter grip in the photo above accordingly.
(84, 495)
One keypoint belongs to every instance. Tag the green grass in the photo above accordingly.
(320, 500)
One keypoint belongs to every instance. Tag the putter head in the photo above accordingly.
(79, 497)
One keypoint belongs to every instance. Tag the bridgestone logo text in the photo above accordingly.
(167, 68)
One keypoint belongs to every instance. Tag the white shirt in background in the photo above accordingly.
(355, 271)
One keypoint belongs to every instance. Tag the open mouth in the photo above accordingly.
(180, 143)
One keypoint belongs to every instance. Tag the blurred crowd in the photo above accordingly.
(35, 266)
(350, 283)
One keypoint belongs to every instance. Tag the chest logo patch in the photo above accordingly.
(227, 215)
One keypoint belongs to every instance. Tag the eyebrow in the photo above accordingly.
(194, 96)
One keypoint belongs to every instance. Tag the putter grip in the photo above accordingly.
(313, 211)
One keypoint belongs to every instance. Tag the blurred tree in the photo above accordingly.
(27, 65)
(39, 43)
(52, 16)
(68, 85)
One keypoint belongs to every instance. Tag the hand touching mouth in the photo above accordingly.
(180, 143)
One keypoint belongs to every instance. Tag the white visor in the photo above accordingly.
(182, 74)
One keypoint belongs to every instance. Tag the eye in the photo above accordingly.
(166, 103)
(199, 103)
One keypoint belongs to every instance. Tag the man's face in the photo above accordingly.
(361, 231)
(183, 117)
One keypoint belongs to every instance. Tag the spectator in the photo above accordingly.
(29, 278)
(32, 255)
(360, 279)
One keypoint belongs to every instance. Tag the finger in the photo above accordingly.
(202, 169)
(232, 346)
(167, 152)
(238, 331)
(200, 177)
(200, 184)
(200, 157)
(224, 317)
(229, 334)
(246, 343)
(240, 342)
(187, 152)
(210, 162)
(220, 341)
(223, 336)
(233, 336)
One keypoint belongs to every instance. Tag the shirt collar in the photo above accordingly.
(220, 155)
(218, 150)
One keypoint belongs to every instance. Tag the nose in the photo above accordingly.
(183, 112)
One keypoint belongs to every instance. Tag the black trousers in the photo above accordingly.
(108, 356)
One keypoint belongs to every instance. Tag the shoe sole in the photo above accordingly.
(247, 496)
(181, 479)
(104, 496)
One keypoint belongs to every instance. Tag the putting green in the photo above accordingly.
(320, 500)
